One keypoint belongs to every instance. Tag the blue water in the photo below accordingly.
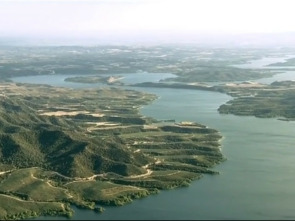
(256, 182)
(59, 79)
(264, 62)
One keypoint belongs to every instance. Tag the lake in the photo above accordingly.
(255, 182)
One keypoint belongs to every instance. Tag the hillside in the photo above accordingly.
(68, 146)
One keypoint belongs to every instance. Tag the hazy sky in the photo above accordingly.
(111, 17)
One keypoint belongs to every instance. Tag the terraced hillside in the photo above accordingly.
(62, 146)
(266, 101)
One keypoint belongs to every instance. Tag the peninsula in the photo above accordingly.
(91, 148)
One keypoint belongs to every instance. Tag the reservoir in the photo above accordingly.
(255, 182)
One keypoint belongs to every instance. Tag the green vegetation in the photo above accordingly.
(88, 80)
(61, 146)
(193, 86)
(95, 79)
(91, 147)
(190, 63)
(268, 101)
(106, 193)
(219, 73)
(15, 208)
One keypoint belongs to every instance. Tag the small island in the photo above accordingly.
(95, 79)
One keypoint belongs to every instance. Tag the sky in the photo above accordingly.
(113, 18)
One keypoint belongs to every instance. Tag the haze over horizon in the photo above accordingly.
(166, 21)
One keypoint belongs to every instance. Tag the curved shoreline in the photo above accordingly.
(94, 162)
(216, 204)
